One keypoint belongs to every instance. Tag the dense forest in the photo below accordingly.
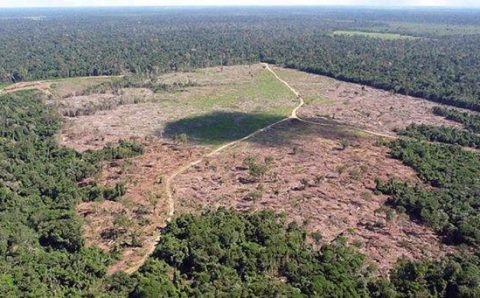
(471, 122)
(443, 134)
(441, 63)
(41, 245)
(451, 207)
(229, 254)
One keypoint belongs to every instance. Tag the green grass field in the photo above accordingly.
(235, 111)
(386, 36)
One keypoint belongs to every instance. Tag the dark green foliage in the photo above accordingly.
(452, 214)
(443, 166)
(84, 42)
(450, 277)
(452, 208)
(443, 134)
(121, 150)
(470, 121)
(226, 253)
(41, 246)
(99, 193)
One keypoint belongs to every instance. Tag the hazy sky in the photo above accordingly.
(36, 3)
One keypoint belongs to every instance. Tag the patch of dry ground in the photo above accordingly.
(131, 224)
(321, 176)
(323, 179)
(360, 106)
(58, 88)
(42, 86)
(75, 106)
(214, 89)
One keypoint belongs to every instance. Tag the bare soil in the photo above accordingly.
(143, 209)
(321, 176)
(323, 179)
(75, 106)
(360, 106)
(112, 117)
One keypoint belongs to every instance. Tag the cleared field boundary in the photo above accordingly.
(149, 248)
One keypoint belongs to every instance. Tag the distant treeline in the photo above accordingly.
(63, 43)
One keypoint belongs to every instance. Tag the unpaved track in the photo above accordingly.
(150, 246)
(302, 102)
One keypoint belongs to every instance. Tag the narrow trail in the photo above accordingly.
(302, 102)
(150, 246)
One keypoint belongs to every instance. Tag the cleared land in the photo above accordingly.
(322, 176)
(176, 128)
(359, 106)
(131, 224)
(223, 104)
(386, 36)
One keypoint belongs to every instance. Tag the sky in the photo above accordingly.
(74, 3)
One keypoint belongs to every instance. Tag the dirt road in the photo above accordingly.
(150, 246)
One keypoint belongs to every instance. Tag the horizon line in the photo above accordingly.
(246, 6)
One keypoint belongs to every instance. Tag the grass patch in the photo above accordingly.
(235, 111)
(69, 86)
(433, 29)
(386, 36)
(263, 88)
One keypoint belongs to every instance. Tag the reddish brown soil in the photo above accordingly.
(144, 205)
(318, 184)
(106, 118)
(358, 105)
(321, 176)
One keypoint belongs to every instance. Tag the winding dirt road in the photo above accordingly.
(150, 246)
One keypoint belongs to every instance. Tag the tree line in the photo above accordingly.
(227, 253)
(442, 68)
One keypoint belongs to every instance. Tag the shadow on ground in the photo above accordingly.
(221, 127)
(286, 133)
